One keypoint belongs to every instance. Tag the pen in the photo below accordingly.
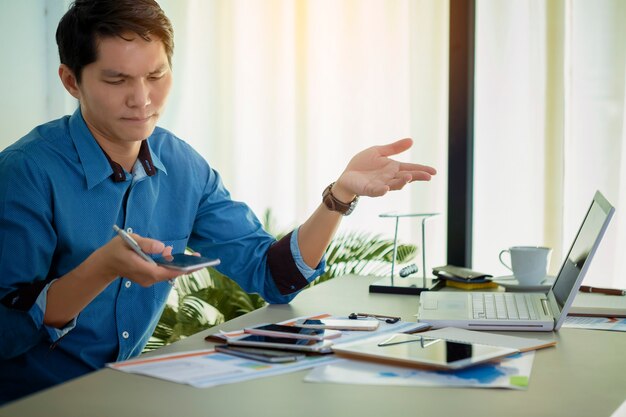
(607, 291)
(391, 342)
(387, 319)
(133, 244)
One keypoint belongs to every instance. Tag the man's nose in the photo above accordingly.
(139, 95)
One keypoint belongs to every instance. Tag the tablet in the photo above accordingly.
(422, 351)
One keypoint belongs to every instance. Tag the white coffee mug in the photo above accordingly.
(529, 264)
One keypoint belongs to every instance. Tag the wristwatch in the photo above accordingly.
(334, 204)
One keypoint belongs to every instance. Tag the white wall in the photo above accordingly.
(22, 82)
(31, 92)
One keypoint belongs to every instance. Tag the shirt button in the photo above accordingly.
(125, 335)
(127, 284)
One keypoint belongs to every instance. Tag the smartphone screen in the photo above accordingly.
(279, 330)
(308, 345)
(185, 263)
(339, 324)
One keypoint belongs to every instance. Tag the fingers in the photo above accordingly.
(401, 146)
(380, 188)
(401, 179)
(145, 273)
(407, 166)
(118, 259)
(395, 147)
(419, 176)
(151, 246)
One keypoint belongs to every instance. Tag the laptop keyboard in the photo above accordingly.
(503, 306)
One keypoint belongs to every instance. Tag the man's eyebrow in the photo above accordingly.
(117, 74)
(113, 73)
(160, 69)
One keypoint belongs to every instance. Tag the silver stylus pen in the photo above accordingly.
(133, 244)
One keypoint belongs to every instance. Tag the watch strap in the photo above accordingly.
(334, 204)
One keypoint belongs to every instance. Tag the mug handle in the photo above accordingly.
(502, 262)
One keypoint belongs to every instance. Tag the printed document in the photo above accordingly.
(208, 368)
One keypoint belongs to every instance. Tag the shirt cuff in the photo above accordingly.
(37, 313)
(307, 272)
(289, 271)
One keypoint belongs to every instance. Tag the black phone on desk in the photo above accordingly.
(296, 332)
(259, 354)
(285, 343)
(461, 274)
(339, 324)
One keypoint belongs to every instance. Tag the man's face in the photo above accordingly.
(124, 91)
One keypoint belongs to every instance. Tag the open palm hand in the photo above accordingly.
(372, 173)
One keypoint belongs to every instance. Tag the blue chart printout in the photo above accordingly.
(513, 372)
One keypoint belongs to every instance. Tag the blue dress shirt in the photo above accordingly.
(60, 196)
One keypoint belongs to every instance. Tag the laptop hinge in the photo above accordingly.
(546, 307)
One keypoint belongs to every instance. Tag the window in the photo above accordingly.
(549, 127)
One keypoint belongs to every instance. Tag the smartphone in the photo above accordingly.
(339, 324)
(285, 343)
(295, 332)
(185, 263)
(263, 355)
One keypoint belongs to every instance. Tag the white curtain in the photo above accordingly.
(509, 165)
(595, 129)
(549, 127)
(279, 94)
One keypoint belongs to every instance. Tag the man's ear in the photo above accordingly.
(69, 80)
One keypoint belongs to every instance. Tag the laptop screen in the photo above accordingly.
(583, 248)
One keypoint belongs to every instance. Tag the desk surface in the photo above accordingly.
(584, 375)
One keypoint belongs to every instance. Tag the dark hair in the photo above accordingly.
(87, 20)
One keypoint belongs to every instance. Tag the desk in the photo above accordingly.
(584, 375)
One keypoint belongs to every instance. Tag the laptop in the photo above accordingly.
(518, 310)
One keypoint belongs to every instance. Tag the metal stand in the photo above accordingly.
(408, 285)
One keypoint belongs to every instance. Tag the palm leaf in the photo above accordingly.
(363, 253)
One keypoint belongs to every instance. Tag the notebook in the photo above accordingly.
(523, 311)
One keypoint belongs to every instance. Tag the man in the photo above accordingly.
(74, 295)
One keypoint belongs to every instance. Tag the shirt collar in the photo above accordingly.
(144, 157)
(97, 165)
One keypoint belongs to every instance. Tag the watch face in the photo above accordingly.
(352, 206)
